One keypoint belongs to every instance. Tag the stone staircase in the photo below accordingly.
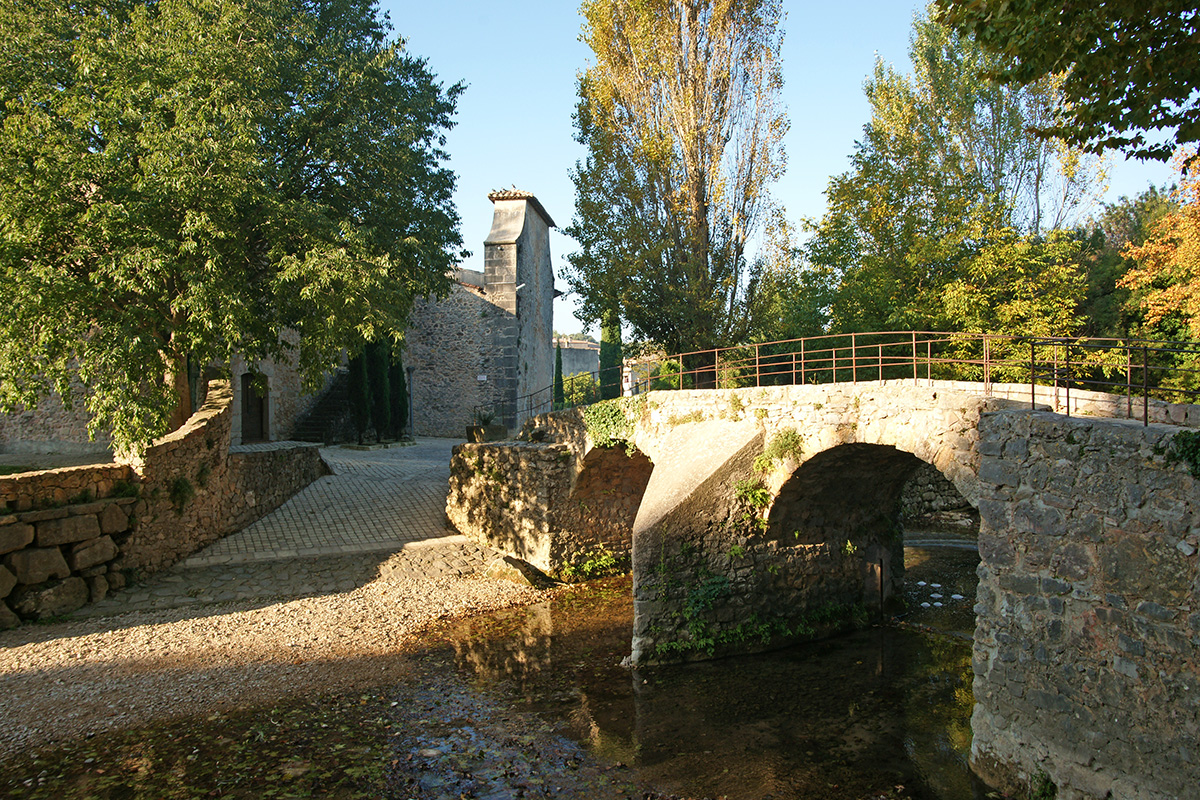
(328, 419)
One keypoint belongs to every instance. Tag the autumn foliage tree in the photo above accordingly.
(1166, 277)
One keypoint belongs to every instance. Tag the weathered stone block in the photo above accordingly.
(97, 588)
(7, 582)
(49, 513)
(7, 618)
(116, 580)
(36, 565)
(92, 552)
(14, 537)
(65, 531)
(113, 519)
(36, 602)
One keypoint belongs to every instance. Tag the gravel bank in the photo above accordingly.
(72, 679)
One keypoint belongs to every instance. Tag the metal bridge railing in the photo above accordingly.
(1139, 369)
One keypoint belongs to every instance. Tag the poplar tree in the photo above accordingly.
(681, 119)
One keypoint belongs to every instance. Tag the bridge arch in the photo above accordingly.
(733, 553)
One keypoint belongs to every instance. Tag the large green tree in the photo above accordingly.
(683, 129)
(946, 162)
(1130, 66)
(187, 179)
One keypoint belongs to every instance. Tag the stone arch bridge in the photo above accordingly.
(756, 517)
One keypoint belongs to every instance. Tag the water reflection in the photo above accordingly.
(881, 713)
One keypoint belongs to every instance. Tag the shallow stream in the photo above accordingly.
(884, 712)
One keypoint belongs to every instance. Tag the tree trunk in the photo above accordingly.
(178, 379)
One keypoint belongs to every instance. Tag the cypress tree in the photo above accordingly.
(610, 355)
(360, 396)
(399, 393)
(560, 395)
(379, 356)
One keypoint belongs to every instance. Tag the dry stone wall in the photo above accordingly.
(1088, 608)
(929, 492)
(68, 536)
(56, 560)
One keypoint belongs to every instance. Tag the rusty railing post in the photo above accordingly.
(914, 354)
(757, 367)
(881, 362)
(853, 359)
(1145, 388)
(1032, 378)
(1128, 381)
(987, 366)
(1067, 368)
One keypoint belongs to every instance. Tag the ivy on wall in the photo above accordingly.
(611, 422)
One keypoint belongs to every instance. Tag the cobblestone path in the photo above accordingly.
(331, 537)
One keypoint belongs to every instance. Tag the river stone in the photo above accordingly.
(14, 537)
(7, 618)
(113, 519)
(67, 530)
(63, 597)
(35, 565)
(7, 582)
(92, 552)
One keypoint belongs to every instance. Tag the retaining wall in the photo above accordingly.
(546, 504)
(188, 489)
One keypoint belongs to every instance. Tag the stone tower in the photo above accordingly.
(489, 343)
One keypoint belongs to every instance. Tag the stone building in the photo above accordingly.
(579, 355)
(488, 347)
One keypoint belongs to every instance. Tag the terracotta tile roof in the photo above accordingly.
(518, 194)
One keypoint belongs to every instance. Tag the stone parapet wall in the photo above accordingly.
(266, 479)
(194, 490)
(1080, 403)
(189, 488)
(56, 487)
(1088, 608)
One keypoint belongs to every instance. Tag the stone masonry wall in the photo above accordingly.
(1088, 609)
(448, 344)
(194, 490)
(55, 487)
(57, 559)
(928, 492)
(543, 504)
(69, 535)
(49, 427)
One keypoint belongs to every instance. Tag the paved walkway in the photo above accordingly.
(379, 509)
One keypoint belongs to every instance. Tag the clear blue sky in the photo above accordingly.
(519, 61)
